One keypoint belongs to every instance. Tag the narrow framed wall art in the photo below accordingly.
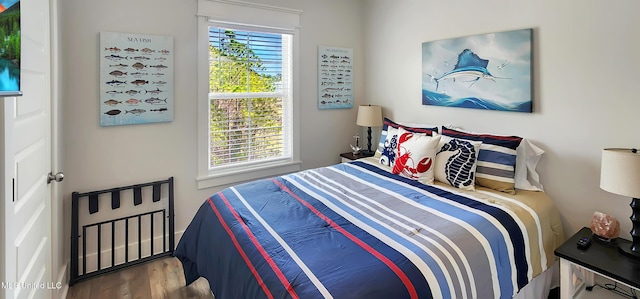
(136, 78)
(10, 48)
(335, 78)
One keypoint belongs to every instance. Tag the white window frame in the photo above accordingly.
(247, 16)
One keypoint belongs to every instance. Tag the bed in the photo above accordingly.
(357, 230)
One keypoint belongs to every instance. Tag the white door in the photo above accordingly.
(27, 124)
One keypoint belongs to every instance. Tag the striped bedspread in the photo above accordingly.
(355, 230)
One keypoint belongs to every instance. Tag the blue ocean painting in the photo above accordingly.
(489, 71)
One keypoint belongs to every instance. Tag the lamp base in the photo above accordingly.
(366, 153)
(633, 250)
(626, 250)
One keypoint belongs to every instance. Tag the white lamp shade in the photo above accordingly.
(369, 116)
(620, 172)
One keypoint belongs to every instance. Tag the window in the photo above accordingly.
(249, 74)
(246, 115)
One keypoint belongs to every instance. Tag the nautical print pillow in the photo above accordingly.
(496, 159)
(415, 157)
(389, 124)
(456, 162)
(388, 154)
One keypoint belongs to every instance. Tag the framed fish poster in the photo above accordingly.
(10, 48)
(335, 80)
(489, 71)
(136, 79)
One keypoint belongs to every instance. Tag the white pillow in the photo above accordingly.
(456, 162)
(415, 157)
(528, 156)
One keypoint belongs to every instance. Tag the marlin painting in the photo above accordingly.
(469, 65)
(471, 71)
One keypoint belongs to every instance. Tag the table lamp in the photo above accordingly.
(620, 174)
(369, 116)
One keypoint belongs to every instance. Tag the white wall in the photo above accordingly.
(585, 83)
(103, 157)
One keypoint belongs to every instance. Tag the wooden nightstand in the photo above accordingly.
(602, 259)
(346, 157)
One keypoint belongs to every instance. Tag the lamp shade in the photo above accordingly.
(369, 116)
(620, 172)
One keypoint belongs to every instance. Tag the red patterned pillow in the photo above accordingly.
(415, 157)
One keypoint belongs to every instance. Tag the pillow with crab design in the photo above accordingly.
(386, 152)
(415, 156)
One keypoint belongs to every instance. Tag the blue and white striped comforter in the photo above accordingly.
(355, 230)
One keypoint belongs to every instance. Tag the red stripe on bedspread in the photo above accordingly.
(380, 256)
(261, 249)
(244, 256)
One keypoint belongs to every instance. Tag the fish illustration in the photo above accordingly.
(117, 73)
(130, 50)
(119, 65)
(136, 111)
(164, 51)
(153, 101)
(139, 82)
(141, 58)
(159, 110)
(469, 65)
(138, 66)
(154, 92)
(133, 101)
(115, 57)
(161, 58)
(112, 102)
(113, 112)
(116, 82)
(139, 74)
(159, 82)
(158, 74)
(159, 66)
(113, 92)
(112, 49)
(132, 92)
(147, 50)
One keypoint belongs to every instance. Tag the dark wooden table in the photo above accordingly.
(601, 258)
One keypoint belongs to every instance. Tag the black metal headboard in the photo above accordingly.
(125, 231)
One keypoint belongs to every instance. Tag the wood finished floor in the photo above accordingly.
(162, 278)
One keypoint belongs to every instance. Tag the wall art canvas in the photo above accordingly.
(10, 48)
(335, 81)
(136, 78)
(489, 71)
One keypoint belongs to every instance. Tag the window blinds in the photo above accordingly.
(249, 96)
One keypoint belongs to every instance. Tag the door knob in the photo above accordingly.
(58, 177)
